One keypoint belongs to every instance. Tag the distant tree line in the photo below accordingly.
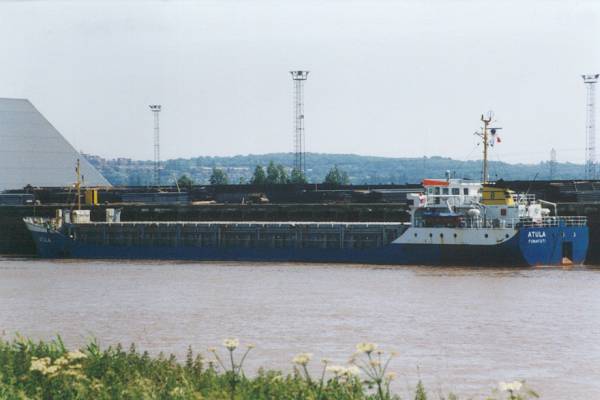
(275, 174)
(351, 168)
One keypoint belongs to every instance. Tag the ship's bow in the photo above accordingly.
(49, 242)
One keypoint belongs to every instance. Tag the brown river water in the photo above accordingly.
(458, 329)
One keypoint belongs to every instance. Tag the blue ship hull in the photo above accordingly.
(529, 247)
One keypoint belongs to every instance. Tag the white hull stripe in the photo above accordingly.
(456, 236)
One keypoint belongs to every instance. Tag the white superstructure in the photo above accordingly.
(458, 211)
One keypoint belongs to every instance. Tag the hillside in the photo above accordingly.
(361, 169)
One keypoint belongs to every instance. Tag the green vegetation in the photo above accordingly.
(297, 177)
(336, 177)
(360, 169)
(185, 181)
(276, 174)
(47, 370)
(218, 177)
(259, 177)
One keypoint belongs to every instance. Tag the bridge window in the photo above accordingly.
(455, 191)
(445, 191)
(466, 191)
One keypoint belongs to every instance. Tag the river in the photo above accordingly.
(458, 329)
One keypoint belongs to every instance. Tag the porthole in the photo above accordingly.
(486, 235)
(506, 236)
(415, 235)
(441, 235)
(455, 235)
(431, 235)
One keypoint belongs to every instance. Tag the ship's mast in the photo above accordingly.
(486, 143)
(488, 137)
(78, 185)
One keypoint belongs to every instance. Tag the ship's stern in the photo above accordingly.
(556, 245)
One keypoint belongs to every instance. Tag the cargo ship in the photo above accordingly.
(453, 222)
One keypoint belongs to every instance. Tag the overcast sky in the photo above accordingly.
(389, 78)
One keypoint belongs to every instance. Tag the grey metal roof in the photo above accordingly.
(33, 152)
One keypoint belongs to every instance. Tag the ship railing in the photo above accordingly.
(553, 221)
(480, 223)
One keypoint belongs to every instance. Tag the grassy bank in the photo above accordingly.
(48, 370)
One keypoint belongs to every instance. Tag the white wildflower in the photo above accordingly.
(76, 373)
(337, 370)
(302, 359)
(231, 343)
(51, 369)
(76, 355)
(61, 361)
(178, 391)
(390, 376)
(365, 347)
(353, 370)
(510, 386)
(39, 364)
(375, 363)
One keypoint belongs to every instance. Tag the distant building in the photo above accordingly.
(33, 152)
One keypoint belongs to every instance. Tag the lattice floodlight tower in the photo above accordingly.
(590, 126)
(299, 155)
(155, 108)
